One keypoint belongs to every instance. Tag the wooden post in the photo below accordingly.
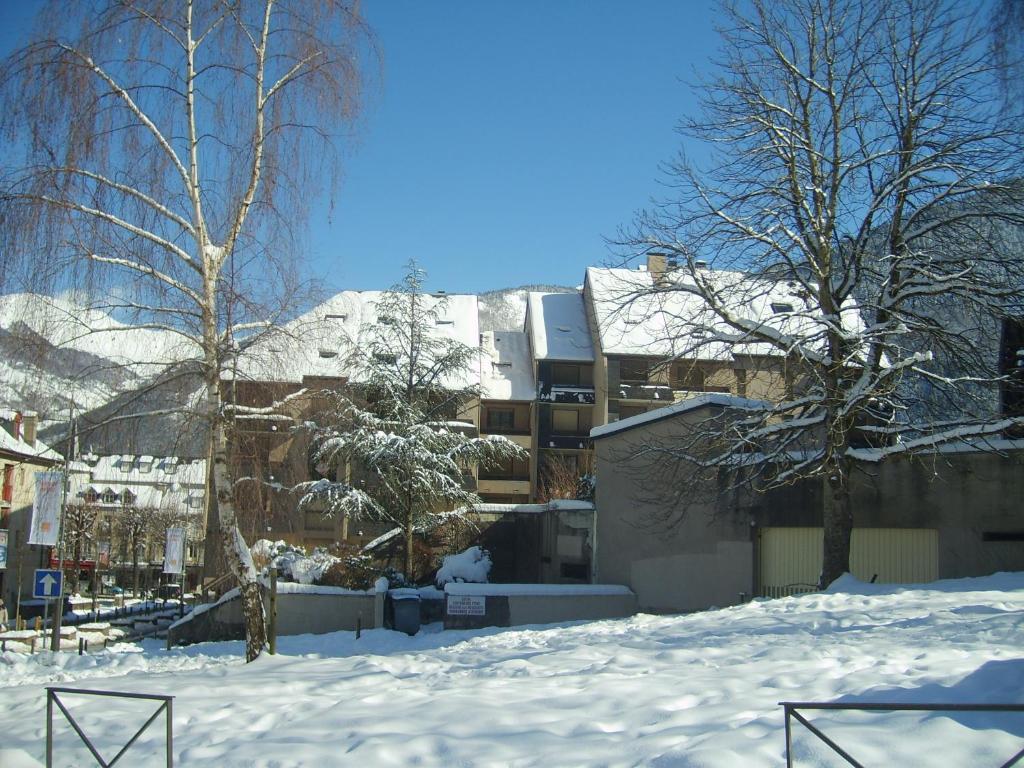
(272, 628)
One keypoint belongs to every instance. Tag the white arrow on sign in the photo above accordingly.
(48, 583)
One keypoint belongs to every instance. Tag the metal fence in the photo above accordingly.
(792, 707)
(52, 697)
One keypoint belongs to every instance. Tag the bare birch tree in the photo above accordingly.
(856, 220)
(167, 153)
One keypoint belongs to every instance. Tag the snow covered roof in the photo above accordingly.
(168, 480)
(17, 445)
(557, 324)
(640, 314)
(320, 343)
(690, 404)
(506, 371)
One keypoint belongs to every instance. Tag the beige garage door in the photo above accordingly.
(791, 557)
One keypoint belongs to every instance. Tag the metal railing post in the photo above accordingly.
(789, 737)
(170, 734)
(49, 729)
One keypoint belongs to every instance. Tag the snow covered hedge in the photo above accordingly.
(473, 565)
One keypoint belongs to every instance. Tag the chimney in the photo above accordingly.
(31, 421)
(657, 263)
(17, 425)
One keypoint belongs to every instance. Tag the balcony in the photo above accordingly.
(648, 392)
(564, 393)
(504, 486)
(564, 442)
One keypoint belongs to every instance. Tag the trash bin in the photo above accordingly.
(406, 610)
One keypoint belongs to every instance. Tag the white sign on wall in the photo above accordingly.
(467, 605)
(3, 549)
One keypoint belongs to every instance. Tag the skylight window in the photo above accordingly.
(778, 307)
(328, 353)
(336, 317)
(441, 321)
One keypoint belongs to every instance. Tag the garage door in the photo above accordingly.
(791, 557)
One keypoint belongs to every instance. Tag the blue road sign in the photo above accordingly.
(47, 583)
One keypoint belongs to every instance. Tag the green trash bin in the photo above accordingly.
(405, 605)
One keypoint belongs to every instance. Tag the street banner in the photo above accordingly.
(3, 549)
(46, 509)
(174, 551)
(103, 549)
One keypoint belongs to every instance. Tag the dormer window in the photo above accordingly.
(780, 307)
(385, 358)
(385, 320)
(109, 497)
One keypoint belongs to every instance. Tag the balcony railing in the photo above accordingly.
(564, 442)
(563, 393)
(636, 391)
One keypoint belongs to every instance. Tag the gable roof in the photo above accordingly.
(557, 326)
(706, 400)
(506, 371)
(640, 314)
(321, 342)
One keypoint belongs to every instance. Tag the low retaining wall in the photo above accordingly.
(471, 606)
(301, 609)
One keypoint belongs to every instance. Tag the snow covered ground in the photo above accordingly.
(698, 690)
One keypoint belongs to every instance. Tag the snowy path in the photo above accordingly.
(701, 690)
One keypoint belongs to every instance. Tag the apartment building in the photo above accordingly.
(563, 360)
(22, 454)
(507, 408)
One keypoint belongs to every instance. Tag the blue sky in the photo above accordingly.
(504, 141)
(508, 140)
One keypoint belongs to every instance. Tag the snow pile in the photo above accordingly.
(292, 563)
(473, 565)
(696, 690)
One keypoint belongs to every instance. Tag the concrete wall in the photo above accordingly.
(667, 537)
(683, 543)
(510, 605)
(298, 613)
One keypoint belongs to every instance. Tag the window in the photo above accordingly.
(128, 497)
(384, 357)
(109, 497)
(634, 369)
(565, 421)
(501, 419)
(90, 496)
(328, 353)
(688, 377)
(386, 320)
(779, 307)
(510, 469)
(565, 375)
(8, 483)
(741, 382)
